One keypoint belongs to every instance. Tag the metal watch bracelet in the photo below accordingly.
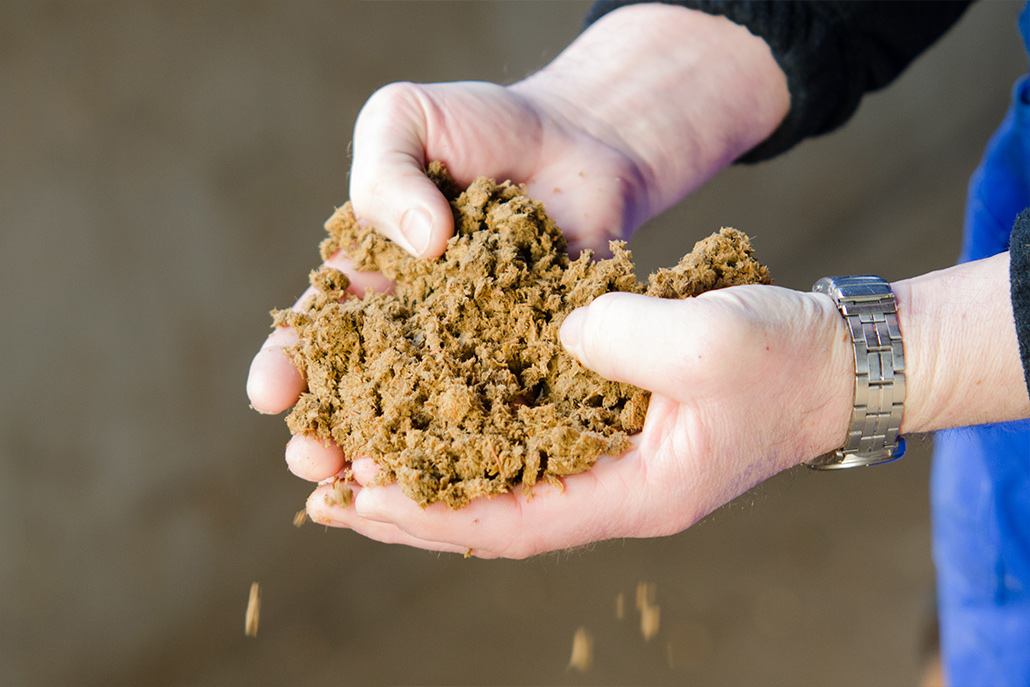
(869, 309)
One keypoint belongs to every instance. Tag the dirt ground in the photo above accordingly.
(166, 170)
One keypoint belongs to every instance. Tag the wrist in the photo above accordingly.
(833, 420)
(868, 306)
(681, 92)
(800, 385)
(961, 351)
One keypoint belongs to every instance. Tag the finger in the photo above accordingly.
(364, 469)
(592, 506)
(360, 281)
(645, 341)
(312, 458)
(323, 511)
(388, 188)
(273, 383)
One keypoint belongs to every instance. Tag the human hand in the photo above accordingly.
(644, 107)
(590, 186)
(641, 109)
(746, 382)
(476, 129)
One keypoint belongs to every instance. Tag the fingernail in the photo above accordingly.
(417, 227)
(572, 329)
(368, 506)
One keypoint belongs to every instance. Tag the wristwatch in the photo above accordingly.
(867, 305)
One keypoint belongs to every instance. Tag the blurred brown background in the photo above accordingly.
(165, 171)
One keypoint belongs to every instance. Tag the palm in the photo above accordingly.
(661, 486)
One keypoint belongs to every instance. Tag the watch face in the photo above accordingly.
(859, 288)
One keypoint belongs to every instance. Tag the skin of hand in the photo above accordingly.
(743, 387)
(746, 381)
(640, 110)
(606, 136)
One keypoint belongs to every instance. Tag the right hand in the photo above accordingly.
(746, 381)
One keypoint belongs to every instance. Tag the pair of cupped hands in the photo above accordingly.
(745, 381)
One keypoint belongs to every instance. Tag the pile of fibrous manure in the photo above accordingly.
(456, 383)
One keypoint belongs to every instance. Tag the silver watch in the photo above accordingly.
(868, 306)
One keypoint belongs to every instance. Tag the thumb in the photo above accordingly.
(388, 187)
(641, 340)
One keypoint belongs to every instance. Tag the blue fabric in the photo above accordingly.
(980, 487)
(981, 504)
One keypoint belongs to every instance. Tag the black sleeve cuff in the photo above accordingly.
(1019, 274)
(831, 52)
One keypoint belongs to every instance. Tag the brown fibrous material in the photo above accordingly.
(650, 612)
(582, 650)
(456, 383)
(250, 627)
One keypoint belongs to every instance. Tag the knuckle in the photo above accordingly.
(366, 194)
(598, 316)
(601, 325)
(391, 98)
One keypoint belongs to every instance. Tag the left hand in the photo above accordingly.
(745, 381)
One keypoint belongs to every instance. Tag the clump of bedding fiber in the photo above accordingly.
(456, 383)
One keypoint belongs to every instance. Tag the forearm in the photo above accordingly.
(686, 92)
(833, 53)
(961, 353)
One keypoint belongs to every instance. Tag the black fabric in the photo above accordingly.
(832, 52)
(1019, 275)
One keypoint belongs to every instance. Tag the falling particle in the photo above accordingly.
(468, 553)
(340, 495)
(645, 594)
(620, 606)
(300, 518)
(649, 610)
(649, 621)
(253, 609)
(582, 650)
